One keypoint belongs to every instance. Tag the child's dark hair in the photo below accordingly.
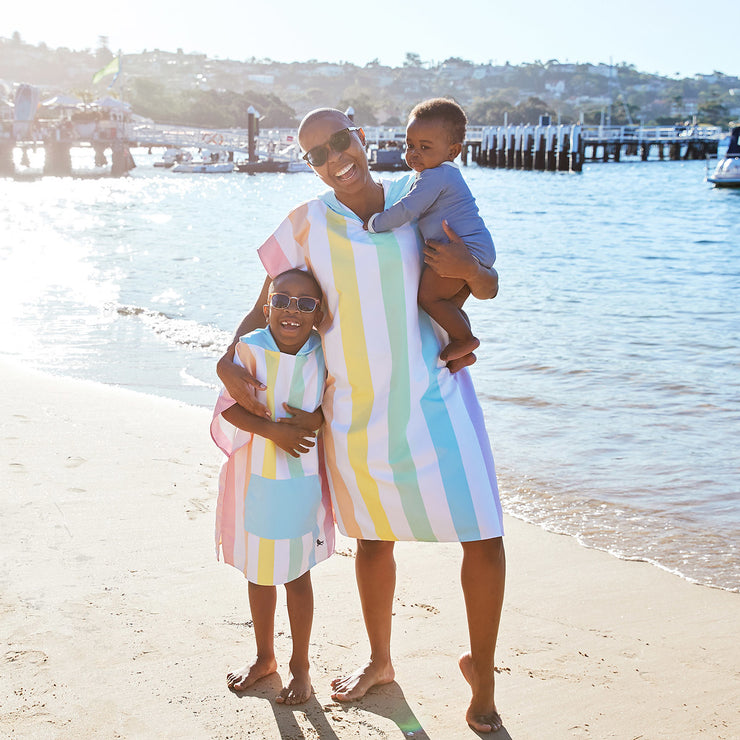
(445, 110)
(303, 273)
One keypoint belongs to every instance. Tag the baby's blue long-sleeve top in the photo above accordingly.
(440, 193)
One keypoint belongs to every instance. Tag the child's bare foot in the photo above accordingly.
(458, 348)
(357, 684)
(454, 365)
(481, 715)
(243, 678)
(297, 691)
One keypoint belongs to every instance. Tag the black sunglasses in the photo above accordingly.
(339, 141)
(304, 303)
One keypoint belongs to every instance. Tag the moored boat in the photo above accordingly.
(727, 172)
(386, 158)
(171, 157)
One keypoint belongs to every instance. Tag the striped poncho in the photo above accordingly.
(406, 451)
(273, 517)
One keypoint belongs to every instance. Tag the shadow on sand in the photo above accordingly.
(386, 701)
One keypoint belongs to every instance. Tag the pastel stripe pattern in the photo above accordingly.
(273, 517)
(406, 452)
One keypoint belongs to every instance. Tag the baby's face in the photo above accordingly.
(290, 326)
(428, 145)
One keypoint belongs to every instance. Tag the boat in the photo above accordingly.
(201, 167)
(171, 157)
(388, 158)
(727, 172)
(287, 159)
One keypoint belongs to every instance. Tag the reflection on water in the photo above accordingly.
(609, 371)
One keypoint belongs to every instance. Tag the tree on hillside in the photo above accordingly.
(364, 109)
(489, 112)
(530, 110)
(713, 112)
(412, 60)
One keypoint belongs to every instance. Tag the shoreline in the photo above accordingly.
(120, 620)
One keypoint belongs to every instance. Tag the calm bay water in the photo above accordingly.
(609, 370)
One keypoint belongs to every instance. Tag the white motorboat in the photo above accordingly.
(727, 172)
(171, 157)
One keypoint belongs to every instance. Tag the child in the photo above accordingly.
(434, 137)
(273, 521)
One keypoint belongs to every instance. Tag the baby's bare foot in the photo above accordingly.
(454, 365)
(458, 348)
(243, 678)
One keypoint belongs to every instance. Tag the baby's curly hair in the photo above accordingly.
(445, 110)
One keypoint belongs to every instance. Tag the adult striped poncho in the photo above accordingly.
(406, 451)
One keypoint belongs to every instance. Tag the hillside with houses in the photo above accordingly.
(193, 89)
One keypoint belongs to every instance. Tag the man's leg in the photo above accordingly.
(375, 568)
(482, 576)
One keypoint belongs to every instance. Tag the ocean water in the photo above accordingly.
(609, 371)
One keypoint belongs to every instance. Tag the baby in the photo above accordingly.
(273, 522)
(434, 138)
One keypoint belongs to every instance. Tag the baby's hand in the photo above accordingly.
(364, 224)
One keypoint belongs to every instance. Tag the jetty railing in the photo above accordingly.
(565, 147)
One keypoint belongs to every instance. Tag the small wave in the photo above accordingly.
(677, 545)
(182, 332)
(188, 379)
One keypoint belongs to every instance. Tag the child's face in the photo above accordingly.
(428, 145)
(290, 327)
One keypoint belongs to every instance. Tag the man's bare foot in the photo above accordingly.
(481, 715)
(454, 365)
(458, 348)
(297, 691)
(357, 684)
(243, 678)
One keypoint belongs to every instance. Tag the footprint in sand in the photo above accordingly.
(74, 462)
(28, 656)
(199, 507)
(17, 468)
(431, 609)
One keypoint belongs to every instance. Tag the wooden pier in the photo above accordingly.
(543, 147)
(558, 148)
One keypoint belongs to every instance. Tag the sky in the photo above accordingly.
(675, 37)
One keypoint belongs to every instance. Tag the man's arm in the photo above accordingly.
(455, 261)
(237, 381)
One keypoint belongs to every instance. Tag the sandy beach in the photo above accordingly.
(118, 621)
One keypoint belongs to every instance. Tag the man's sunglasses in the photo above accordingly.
(304, 303)
(339, 141)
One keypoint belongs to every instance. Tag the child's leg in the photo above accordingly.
(262, 605)
(435, 297)
(299, 595)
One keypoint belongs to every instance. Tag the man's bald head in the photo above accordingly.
(321, 115)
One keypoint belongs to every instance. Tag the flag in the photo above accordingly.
(112, 68)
